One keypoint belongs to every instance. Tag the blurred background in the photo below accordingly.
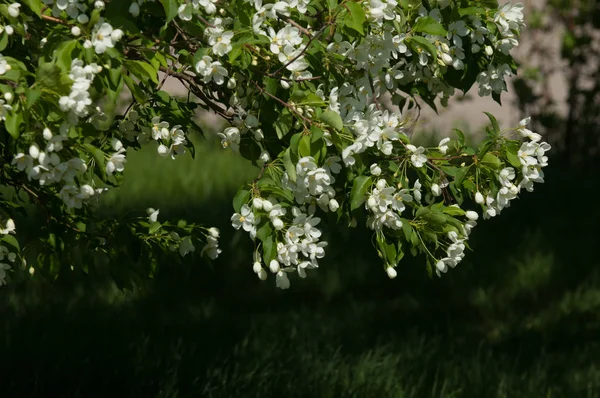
(520, 317)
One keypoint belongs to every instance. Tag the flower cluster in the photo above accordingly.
(314, 182)
(103, 37)
(75, 9)
(78, 101)
(171, 141)
(6, 253)
(211, 248)
(386, 205)
(532, 158)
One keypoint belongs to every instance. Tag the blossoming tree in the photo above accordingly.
(305, 87)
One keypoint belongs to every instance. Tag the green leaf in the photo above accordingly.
(13, 123)
(3, 42)
(32, 96)
(513, 159)
(264, 232)
(154, 227)
(358, 194)
(35, 6)
(406, 229)
(240, 199)
(269, 250)
(316, 135)
(430, 26)
(12, 241)
(99, 159)
(424, 44)
(491, 160)
(355, 18)
(495, 126)
(460, 176)
(142, 70)
(290, 168)
(271, 85)
(390, 252)
(135, 89)
(454, 211)
(304, 146)
(52, 77)
(470, 11)
(170, 7)
(332, 119)
(460, 135)
(63, 56)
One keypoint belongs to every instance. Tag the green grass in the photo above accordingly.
(519, 318)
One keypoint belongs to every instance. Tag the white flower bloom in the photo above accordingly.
(478, 198)
(9, 228)
(442, 145)
(105, 37)
(471, 215)
(152, 214)
(509, 17)
(246, 220)
(4, 65)
(117, 160)
(186, 246)
(282, 280)
(13, 10)
(436, 190)
(417, 158)
(230, 138)
(134, 10)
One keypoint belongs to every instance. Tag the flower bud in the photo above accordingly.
(257, 267)
(446, 59)
(441, 266)
(134, 9)
(391, 272)
(34, 151)
(13, 10)
(489, 51)
(87, 44)
(116, 35)
(285, 84)
(478, 198)
(278, 224)
(267, 205)
(8, 96)
(262, 275)
(375, 169)
(257, 203)
(9, 30)
(83, 19)
(99, 5)
(75, 31)
(231, 83)
(274, 266)
(47, 134)
(472, 215)
(333, 205)
(214, 232)
(258, 135)
(436, 190)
